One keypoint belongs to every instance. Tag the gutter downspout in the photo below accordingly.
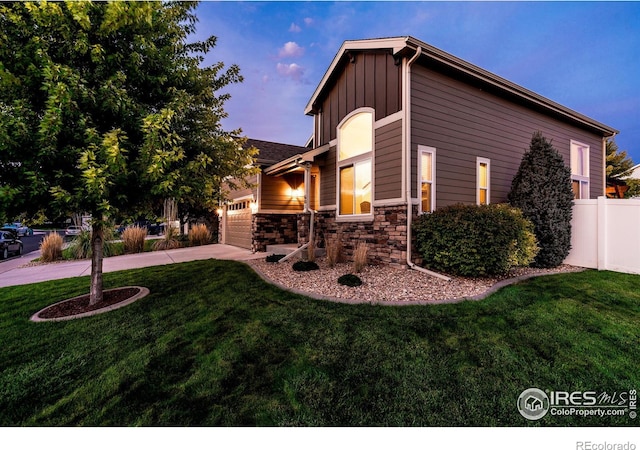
(407, 131)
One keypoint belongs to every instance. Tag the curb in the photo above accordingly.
(143, 292)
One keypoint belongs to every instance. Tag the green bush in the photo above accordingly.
(350, 280)
(304, 266)
(475, 241)
(274, 258)
(542, 191)
(80, 246)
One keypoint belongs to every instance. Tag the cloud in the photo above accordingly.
(293, 71)
(291, 50)
(295, 28)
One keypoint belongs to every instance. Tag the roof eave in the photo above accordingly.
(400, 44)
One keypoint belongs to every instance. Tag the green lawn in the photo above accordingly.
(215, 345)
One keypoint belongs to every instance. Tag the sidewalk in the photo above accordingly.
(12, 274)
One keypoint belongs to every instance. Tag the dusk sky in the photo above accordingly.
(583, 55)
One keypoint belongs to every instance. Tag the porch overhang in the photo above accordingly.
(295, 163)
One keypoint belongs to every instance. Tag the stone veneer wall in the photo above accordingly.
(272, 229)
(386, 234)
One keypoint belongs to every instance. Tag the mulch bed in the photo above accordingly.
(81, 305)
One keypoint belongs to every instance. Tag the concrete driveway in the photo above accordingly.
(13, 272)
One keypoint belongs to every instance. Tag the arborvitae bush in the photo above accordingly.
(542, 190)
(350, 280)
(475, 241)
(304, 266)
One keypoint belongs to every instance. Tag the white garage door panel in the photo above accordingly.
(238, 226)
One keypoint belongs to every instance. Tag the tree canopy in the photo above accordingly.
(618, 162)
(109, 108)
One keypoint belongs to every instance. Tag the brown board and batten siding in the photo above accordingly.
(464, 122)
(388, 161)
(276, 193)
(373, 80)
(327, 163)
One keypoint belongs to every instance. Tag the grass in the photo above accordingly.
(215, 345)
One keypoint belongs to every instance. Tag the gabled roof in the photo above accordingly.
(272, 152)
(407, 46)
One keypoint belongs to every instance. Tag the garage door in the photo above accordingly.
(238, 224)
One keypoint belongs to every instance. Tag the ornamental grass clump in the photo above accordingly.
(475, 241)
(169, 241)
(199, 235)
(133, 239)
(360, 257)
(334, 252)
(51, 247)
(80, 246)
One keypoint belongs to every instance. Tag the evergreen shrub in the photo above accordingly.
(274, 258)
(542, 190)
(304, 266)
(475, 241)
(350, 280)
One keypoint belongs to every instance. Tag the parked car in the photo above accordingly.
(73, 230)
(23, 230)
(9, 243)
(152, 228)
(18, 228)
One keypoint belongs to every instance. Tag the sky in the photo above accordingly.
(583, 55)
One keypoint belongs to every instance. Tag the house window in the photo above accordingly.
(427, 186)
(580, 170)
(355, 168)
(483, 180)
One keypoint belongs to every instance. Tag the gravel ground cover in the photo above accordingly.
(385, 283)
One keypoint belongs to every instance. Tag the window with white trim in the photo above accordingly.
(355, 165)
(427, 178)
(580, 170)
(483, 181)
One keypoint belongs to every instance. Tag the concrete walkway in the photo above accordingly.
(12, 272)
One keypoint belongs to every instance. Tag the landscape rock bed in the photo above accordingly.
(387, 284)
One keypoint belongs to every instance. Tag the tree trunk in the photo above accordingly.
(97, 237)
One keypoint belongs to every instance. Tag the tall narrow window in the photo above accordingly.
(355, 168)
(483, 177)
(427, 178)
(580, 170)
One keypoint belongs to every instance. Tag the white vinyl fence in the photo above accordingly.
(605, 235)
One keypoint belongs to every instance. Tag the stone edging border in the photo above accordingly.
(496, 287)
(143, 292)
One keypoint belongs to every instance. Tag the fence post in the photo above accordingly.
(602, 233)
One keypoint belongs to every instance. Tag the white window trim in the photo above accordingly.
(422, 149)
(488, 163)
(582, 178)
(352, 162)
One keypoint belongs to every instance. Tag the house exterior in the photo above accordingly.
(402, 128)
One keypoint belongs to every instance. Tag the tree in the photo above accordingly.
(106, 108)
(618, 162)
(542, 190)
